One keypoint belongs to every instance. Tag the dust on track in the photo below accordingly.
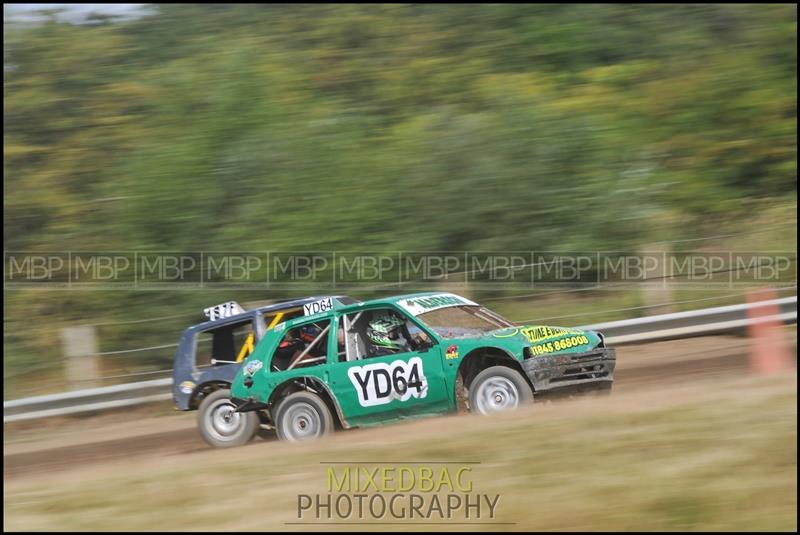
(638, 366)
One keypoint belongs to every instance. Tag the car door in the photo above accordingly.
(373, 388)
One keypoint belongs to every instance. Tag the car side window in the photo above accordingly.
(272, 319)
(378, 332)
(302, 346)
(226, 344)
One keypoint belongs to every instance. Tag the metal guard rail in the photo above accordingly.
(648, 329)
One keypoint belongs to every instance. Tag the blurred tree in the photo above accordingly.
(386, 127)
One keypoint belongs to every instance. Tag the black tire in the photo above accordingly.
(302, 416)
(498, 389)
(220, 426)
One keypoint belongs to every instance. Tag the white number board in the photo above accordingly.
(323, 305)
(223, 310)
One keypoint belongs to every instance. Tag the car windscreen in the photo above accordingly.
(461, 321)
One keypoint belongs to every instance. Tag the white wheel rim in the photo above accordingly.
(496, 394)
(300, 422)
(224, 422)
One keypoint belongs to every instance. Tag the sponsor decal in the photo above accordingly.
(187, 387)
(451, 353)
(252, 367)
(537, 334)
(427, 303)
(558, 345)
(317, 307)
(381, 383)
(223, 310)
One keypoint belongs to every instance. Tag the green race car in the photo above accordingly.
(352, 365)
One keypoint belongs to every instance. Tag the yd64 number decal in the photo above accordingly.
(381, 383)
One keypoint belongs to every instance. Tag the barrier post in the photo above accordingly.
(769, 351)
(80, 348)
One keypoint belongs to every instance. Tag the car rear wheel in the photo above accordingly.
(222, 427)
(302, 416)
(498, 389)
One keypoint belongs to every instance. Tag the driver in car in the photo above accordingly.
(388, 335)
(295, 343)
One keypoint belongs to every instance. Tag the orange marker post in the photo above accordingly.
(769, 352)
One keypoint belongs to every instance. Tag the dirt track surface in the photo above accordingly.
(69, 443)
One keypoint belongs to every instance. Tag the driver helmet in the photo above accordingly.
(309, 332)
(384, 330)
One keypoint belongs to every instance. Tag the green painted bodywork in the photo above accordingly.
(440, 363)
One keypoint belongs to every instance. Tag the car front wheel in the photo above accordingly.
(498, 389)
(219, 424)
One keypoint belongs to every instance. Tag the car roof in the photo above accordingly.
(391, 300)
(339, 301)
(396, 299)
